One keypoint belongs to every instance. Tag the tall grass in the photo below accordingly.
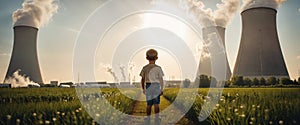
(249, 106)
(69, 106)
(53, 105)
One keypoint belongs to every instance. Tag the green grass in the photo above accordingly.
(56, 105)
(249, 106)
(64, 105)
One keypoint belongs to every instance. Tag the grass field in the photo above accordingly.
(63, 106)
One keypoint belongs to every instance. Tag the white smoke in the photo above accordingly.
(202, 51)
(206, 17)
(110, 70)
(35, 13)
(226, 12)
(122, 68)
(275, 4)
(130, 71)
(17, 80)
(205, 53)
(198, 11)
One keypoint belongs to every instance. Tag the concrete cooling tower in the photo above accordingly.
(205, 62)
(24, 56)
(260, 53)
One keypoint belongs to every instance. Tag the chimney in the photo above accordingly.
(205, 63)
(260, 53)
(24, 56)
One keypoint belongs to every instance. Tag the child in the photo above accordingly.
(152, 75)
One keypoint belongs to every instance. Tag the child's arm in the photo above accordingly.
(143, 84)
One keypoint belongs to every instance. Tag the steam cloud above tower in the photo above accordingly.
(220, 17)
(262, 3)
(35, 13)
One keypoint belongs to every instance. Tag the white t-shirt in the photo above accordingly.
(152, 73)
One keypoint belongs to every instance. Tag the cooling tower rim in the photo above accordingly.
(258, 8)
(25, 26)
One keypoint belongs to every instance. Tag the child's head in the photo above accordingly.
(151, 55)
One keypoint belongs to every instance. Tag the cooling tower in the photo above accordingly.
(24, 56)
(260, 53)
(205, 62)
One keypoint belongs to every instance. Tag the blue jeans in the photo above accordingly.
(152, 93)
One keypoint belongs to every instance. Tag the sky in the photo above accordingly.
(57, 40)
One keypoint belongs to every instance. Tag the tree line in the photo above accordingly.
(240, 81)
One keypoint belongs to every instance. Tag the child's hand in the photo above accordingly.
(144, 91)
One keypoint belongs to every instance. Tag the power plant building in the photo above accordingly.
(205, 61)
(259, 53)
(24, 56)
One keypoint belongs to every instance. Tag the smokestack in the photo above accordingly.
(24, 56)
(205, 62)
(260, 53)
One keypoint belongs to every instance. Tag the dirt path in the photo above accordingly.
(140, 110)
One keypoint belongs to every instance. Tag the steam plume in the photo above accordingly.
(225, 12)
(18, 80)
(109, 70)
(262, 3)
(206, 17)
(122, 68)
(198, 11)
(130, 69)
(35, 13)
(205, 53)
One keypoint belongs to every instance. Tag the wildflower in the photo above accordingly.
(252, 119)
(243, 115)
(241, 106)
(76, 110)
(8, 116)
(228, 119)
(57, 113)
(18, 120)
(54, 119)
(34, 114)
(281, 122)
(266, 110)
(270, 122)
(236, 110)
(97, 115)
(47, 122)
(251, 123)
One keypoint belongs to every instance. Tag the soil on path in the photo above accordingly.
(166, 118)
